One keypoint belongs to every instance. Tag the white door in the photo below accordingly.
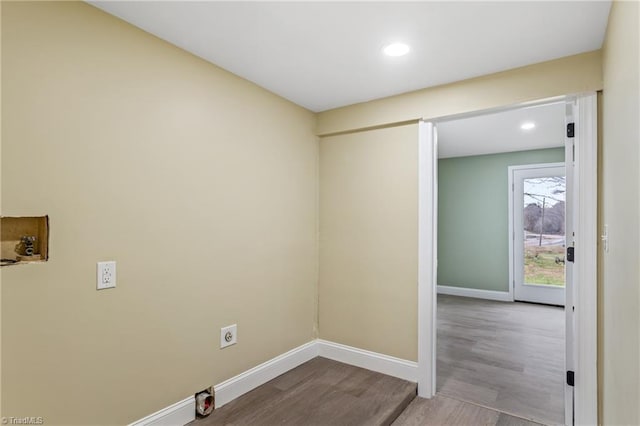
(539, 245)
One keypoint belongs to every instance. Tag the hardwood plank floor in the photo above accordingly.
(494, 359)
(319, 392)
(322, 392)
(506, 356)
(442, 410)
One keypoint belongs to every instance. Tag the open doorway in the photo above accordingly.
(572, 329)
(497, 353)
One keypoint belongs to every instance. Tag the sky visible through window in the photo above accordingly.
(551, 188)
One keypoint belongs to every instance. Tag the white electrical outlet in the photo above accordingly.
(106, 275)
(228, 336)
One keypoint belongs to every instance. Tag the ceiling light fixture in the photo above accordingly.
(528, 125)
(396, 49)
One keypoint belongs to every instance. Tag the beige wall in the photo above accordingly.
(202, 186)
(368, 254)
(140, 153)
(369, 240)
(574, 74)
(620, 187)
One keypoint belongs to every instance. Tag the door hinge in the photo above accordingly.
(571, 252)
(570, 378)
(571, 127)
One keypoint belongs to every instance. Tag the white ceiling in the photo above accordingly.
(501, 132)
(324, 55)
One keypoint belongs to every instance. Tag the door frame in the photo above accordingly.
(427, 255)
(512, 207)
(585, 269)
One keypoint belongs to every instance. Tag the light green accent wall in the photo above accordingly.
(473, 210)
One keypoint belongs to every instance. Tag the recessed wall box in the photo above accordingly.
(24, 239)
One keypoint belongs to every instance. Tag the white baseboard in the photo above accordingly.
(385, 364)
(183, 412)
(179, 413)
(230, 389)
(504, 296)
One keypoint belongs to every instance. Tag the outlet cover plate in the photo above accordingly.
(228, 336)
(106, 277)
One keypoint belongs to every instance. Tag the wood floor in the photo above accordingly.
(442, 410)
(498, 364)
(507, 356)
(322, 392)
(319, 392)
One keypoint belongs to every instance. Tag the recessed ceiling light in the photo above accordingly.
(528, 125)
(396, 49)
